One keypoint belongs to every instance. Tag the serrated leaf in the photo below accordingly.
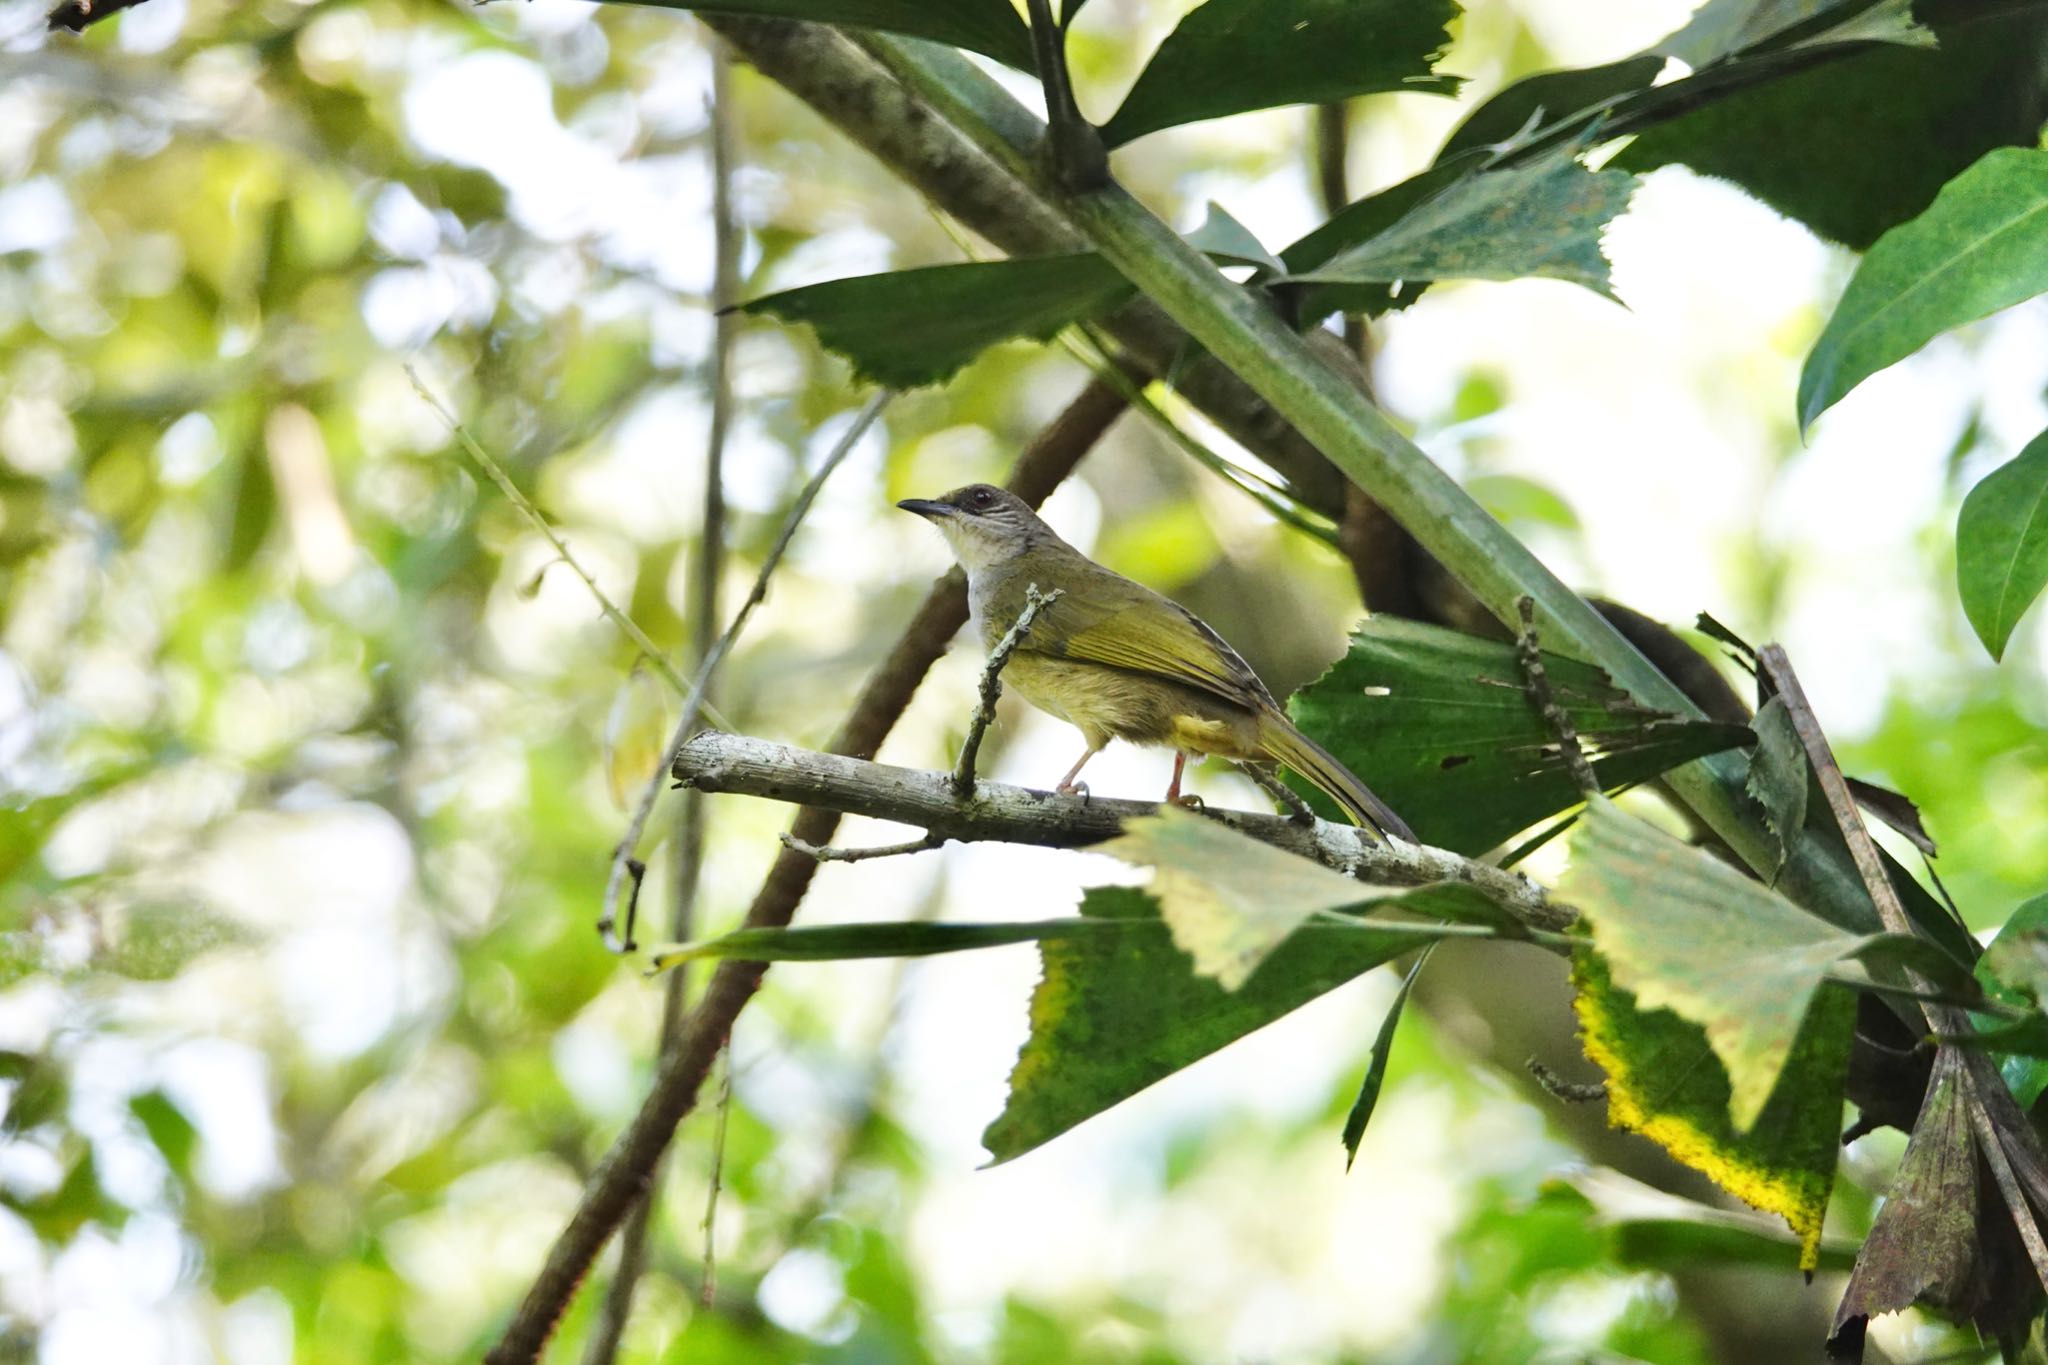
(1547, 99)
(1228, 899)
(1878, 130)
(1721, 29)
(2002, 545)
(1544, 219)
(990, 27)
(1356, 1121)
(1114, 1013)
(1980, 247)
(1232, 56)
(908, 328)
(1360, 221)
(1684, 931)
(1778, 777)
(1665, 1082)
(1436, 722)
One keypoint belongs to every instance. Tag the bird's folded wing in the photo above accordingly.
(1155, 637)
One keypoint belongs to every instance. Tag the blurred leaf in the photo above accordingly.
(1682, 930)
(2014, 971)
(1543, 219)
(1664, 1081)
(1231, 56)
(1980, 247)
(1225, 240)
(1228, 899)
(911, 938)
(1721, 28)
(1376, 1068)
(158, 939)
(1549, 98)
(1778, 777)
(1114, 1013)
(2002, 544)
(1436, 722)
(1894, 810)
(636, 733)
(990, 27)
(1683, 1245)
(1878, 132)
(908, 328)
(78, 1199)
(1514, 499)
(170, 1132)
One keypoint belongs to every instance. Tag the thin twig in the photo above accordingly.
(746, 766)
(826, 853)
(1571, 1092)
(709, 1292)
(708, 567)
(693, 705)
(1530, 656)
(539, 522)
(992, 684)
(610, 1190)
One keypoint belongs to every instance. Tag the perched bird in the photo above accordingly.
(1119, 661)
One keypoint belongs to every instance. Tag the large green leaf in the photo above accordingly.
(1721, 29)
(1664, 1081)
(1682, 930)
(1361, 221)
(1114, 1013)
(1981, 246)
(1437, 723)
(1544, 219)
(1231, 56)
(1858, 143)
(2014, 971)
(906, 328)
(2002, 545)
(990, 27)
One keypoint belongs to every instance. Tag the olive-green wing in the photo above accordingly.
(1126, 625)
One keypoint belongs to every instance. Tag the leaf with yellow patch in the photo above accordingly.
(1664, 1082)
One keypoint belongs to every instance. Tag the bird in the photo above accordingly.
(1119, 661)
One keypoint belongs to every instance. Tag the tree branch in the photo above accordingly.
(998, 812)
(624, 1173)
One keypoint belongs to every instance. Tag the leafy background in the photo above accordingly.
(307, 1037)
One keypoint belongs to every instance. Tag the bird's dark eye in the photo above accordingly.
(980, 499)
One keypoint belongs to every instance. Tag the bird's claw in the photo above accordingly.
(1190, 801)
(1079, 789)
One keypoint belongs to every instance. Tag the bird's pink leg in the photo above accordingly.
(1173, 792)
(1068, 786)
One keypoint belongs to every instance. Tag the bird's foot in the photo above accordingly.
(1079, 789)
(1188, 800)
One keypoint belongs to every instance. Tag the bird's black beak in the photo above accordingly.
(925, 507)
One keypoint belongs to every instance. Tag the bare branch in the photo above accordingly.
(1529, 655)
(693, 705)
(717, 762)
(826, 853)
(992, 684)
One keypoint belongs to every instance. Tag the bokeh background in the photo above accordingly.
(310, 764)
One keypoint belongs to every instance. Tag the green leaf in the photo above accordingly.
(990, 27)
(1548, 99)
(908, 328)
(1689, 1244)
(1543, 219)
(1228, 899)
(2002, 545)
(1682, 930)
(170, 1132)
(1114, 1013)
(1231, 56)
(1981, 246)
(1359, 221)
(841, 942)
(1435, 721)
(1664, 1081)
(1778, 776)
(1722, 28)
(2014, 971)
(1376, 1069)
(1856, 144)
(1228, 242)
(157, 940)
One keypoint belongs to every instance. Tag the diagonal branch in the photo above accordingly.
(623, 1175)
(998, 812)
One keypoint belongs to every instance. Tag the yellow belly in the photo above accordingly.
(1113, 703)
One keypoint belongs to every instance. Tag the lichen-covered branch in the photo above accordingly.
(713, 761)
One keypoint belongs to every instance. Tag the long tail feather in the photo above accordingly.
(1280, 739)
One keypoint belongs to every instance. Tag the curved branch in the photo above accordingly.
(713, 761)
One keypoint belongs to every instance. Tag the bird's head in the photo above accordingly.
(983, 524)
